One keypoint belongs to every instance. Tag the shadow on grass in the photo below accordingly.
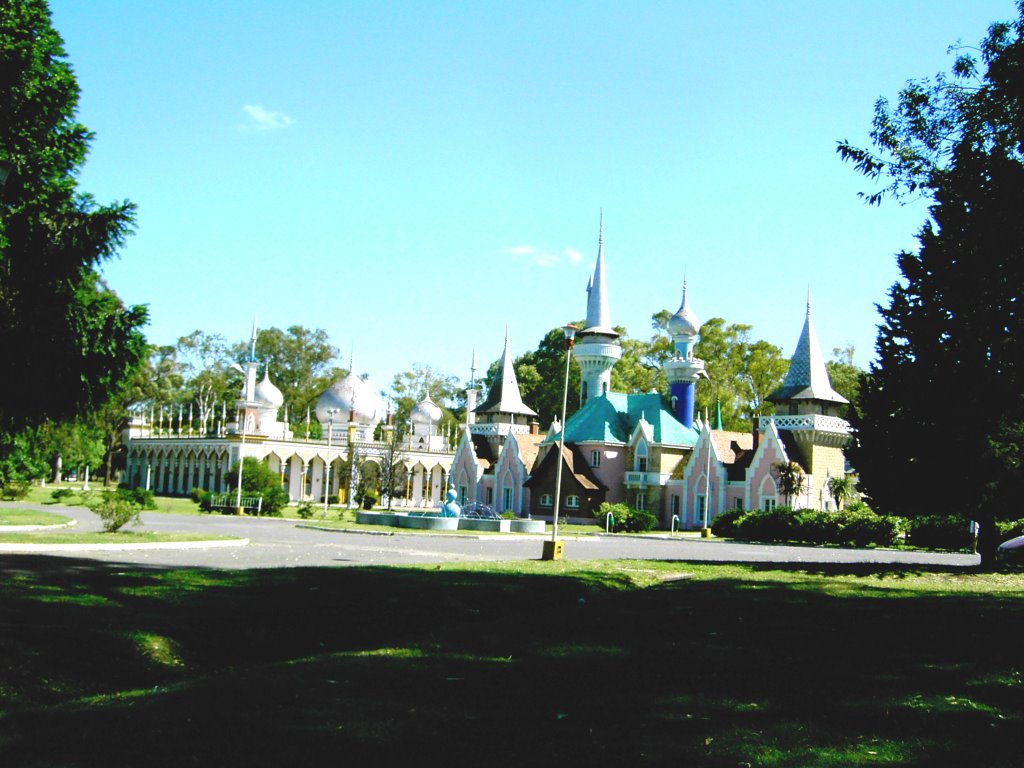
(122, 665)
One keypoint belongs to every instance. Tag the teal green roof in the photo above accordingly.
(611, 418)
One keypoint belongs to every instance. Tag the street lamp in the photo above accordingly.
(330, 432)
(553, 548)
(241, 448)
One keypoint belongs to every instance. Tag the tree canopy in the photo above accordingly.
(74, 340)
(943, 410)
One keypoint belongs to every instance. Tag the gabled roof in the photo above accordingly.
(577, 465)
(807, 378)
(612, 417)
(504, 395)
(529, 447)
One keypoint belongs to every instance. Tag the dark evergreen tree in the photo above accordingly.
(68, 339)
(942, 425)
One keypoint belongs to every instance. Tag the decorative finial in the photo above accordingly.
(808, 300)
(351, 358)
(600, 226)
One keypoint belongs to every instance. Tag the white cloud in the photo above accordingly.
(545, 258)
(265, 120)
(521, 250)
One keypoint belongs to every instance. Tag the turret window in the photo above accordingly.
(595, 458)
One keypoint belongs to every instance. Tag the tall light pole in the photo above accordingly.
(330, 432)
(553, 548)
(241, 447)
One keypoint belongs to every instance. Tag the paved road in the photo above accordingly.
(277, 543)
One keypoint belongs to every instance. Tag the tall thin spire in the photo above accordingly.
(252, 348)
(599, 317)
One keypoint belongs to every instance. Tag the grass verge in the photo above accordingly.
(566, 662)
(118, 537)
(14, 516)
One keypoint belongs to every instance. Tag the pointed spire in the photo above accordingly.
(717, 424)
(252, 349)
(807, 378)
(599, 318)
(504, 395)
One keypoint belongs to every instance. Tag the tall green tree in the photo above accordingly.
(73, 339)
(541, 375)
(943, 409)
(302, 364)
(410, 387)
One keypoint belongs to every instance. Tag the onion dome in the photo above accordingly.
(684, 322)
(350, 393)
(267, 394)
(425, 411)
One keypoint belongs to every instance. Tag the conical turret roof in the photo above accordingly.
(504, 395)
(807, 378)
(599, 316)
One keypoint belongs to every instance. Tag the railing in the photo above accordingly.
(499, 428)
(646, 478)
(808, 421)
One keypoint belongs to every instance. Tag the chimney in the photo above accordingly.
(534, 428)
(756, 426)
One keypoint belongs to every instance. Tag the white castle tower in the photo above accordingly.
(597, 345)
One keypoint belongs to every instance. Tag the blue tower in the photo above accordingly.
(683, 370)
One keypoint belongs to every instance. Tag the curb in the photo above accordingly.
(23, 528)
(216, 544)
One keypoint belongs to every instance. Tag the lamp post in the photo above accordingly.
(553, 548)
(330, 432)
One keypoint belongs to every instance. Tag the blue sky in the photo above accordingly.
(413, 176)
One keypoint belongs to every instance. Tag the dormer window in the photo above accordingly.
(640, 460)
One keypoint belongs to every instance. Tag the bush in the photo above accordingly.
(203, 498)
(14, 489)
(58, 494)
(725, 523)
(625, 519)
(370, 498)
(779, 524)
(258, 480)
(306, 510)
(145, 499)
(116, 511)
(1010, 529)
(939, 532)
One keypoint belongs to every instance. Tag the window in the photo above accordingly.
(641, 501)
(675, 504)
(769, 505)
(463, 493)
(546, 500)
(506, 499)
(490, 496)
(640, 462)
(595, 458)
(572, 502)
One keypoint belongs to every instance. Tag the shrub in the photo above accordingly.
(57, 494)
(14, 489)
(1010, 529)
(725, 523)
(779, 524)
(306, 510)
(258, 480)
(939, 532)
(818, 527)
(859, 529)
(625, 519)
(370, 498)
(116, 511)
(145, 499)
(508, 515)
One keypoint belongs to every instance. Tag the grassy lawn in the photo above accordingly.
(572, 662)
(9, 516)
